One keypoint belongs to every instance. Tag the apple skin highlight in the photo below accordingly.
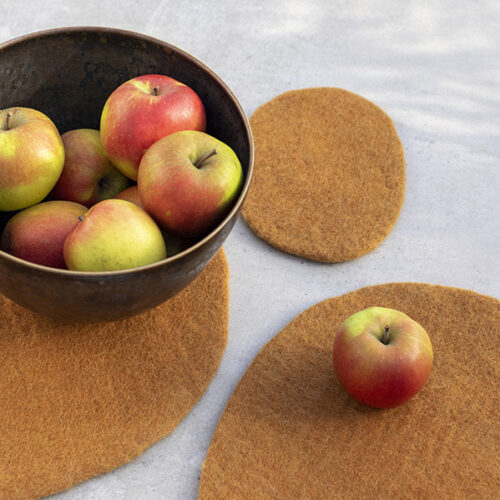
(378, 374)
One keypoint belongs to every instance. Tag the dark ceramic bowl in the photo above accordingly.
(68, 74)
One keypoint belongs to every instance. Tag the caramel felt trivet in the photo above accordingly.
(329, 174)
(290, 431)
(76, 401)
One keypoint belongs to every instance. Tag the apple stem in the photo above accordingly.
(203, 158)
(156, 90)
(7, 120)
(385, 335)
(80, 218)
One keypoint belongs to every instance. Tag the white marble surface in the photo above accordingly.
(433, 66)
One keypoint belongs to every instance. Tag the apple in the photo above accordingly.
(382, 357)
(31, 157)
(37, 233)
(143, 110)
(113, 235)
(188, 182)
(131, 194)
(88, 176)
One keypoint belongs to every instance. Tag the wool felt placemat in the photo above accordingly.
(329, 174)
(80, 400)
(290, 431)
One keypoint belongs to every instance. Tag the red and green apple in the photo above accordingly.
(382, 357)
(188, 182)
(114, 235)
(37, 233)
(88, 175)
(31, 157)
(143, 110)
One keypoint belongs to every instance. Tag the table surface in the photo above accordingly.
(434, 67)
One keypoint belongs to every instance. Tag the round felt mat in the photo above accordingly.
(77, 401)
(290, 431)
(329, 175)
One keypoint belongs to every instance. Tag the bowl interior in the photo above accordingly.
(69, 73)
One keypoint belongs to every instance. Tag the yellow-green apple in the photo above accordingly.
(37, 233)
(113, 235)
(188, 181)
(88, 175)
(31, 157)
(143, 110)
(382, 357)
(131, 194)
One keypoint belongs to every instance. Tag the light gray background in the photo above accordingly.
(435, 69)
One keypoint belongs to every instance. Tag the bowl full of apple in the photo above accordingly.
(124, 164)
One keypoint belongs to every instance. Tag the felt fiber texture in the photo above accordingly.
(329, 174)
(290, 431)
(80, 400)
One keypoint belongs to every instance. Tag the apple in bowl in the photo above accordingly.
(31, 157)
(113, 235)
(382, 357)
(37, 233)
(88, 176)
(188, 181)
(143, 110)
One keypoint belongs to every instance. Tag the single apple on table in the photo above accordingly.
(188, 182)
(37, 233)
(31, 157)
(382, 357)
(143, 110)
(114, 235)
(88, 175)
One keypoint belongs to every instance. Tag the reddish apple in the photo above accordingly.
(37, 233)
(88, 176)
(31, 157)
(143, 110)
(188, 182)
(382, 357)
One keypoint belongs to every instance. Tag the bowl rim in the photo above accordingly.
(241, 197)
